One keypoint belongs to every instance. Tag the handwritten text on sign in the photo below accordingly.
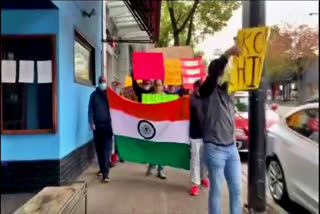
(247, 68)
(173, 72)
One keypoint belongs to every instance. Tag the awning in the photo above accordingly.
(136, 23)
(18, 4)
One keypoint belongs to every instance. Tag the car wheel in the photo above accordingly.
(276, 182)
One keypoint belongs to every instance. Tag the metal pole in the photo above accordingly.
(253, 16)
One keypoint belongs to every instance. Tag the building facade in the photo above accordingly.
(52, 54)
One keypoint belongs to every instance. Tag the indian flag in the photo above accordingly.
(151, 133)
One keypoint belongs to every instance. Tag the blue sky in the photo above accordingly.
(277, 12)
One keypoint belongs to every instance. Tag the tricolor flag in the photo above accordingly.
(151, 133)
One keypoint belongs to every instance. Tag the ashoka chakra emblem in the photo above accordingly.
(146, 129)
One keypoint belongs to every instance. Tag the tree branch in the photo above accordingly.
(172, 17)
(192, 11)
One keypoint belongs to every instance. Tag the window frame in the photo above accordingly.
(53, 130)
(295, 132)
(80, 38)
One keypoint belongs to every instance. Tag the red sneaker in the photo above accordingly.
(114, 159)
(205, 182)
(194, 190)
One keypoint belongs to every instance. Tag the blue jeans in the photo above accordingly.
(223, 162)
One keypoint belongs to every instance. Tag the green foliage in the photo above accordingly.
(198, 53)
(209, 17)
(288, 49)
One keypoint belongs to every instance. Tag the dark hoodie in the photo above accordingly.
(196, 117)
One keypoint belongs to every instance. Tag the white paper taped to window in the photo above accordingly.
(26, 74)
(8, 71)
(44, 71)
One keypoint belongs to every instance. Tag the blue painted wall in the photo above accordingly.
(73, 129)
(73, 97)
(29, 147)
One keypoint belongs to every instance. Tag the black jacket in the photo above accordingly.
(99, 112)
(139, 91)
(196, 117)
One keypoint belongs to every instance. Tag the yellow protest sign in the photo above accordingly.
(173, 72)
(128, 81)
(247, 68)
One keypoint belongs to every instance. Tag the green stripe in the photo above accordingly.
(143, 151)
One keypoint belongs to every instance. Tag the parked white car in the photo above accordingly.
(293, 158)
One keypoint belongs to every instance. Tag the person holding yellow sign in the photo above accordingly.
(220, 152)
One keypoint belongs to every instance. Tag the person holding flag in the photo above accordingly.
(198, 169)
(157, 89)
(100, 123)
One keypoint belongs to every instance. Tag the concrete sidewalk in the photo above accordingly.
(130, 191)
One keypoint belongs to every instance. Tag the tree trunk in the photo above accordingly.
(176, 39)
(190, 31)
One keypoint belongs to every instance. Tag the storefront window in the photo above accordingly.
(84, 57)
(28, 84)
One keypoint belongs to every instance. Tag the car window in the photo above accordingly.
(306, 123)
(241, 104)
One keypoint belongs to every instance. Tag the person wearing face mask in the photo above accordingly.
(145, 89)
(171, 89)
(116, 86)
(100, 123)
(220, 152)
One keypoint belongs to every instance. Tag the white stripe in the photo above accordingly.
(190, 63)
(190, 80)
(192, 71)
(166, 131)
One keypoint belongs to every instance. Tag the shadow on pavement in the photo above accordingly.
(294, 208)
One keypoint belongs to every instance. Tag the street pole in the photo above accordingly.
(253, 16)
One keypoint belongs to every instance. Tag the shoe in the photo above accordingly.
(194, 190)
(205, 182)
(99, 173)
(149, 171)
(161, 175)
(106, 180)
(122, 161)
(114, 159)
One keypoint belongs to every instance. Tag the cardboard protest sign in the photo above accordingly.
(176, 52)
(158, 98)
(147, 66)
(247, 68)
(128, 81)
(173, 72)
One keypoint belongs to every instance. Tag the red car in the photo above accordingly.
(242, 120)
